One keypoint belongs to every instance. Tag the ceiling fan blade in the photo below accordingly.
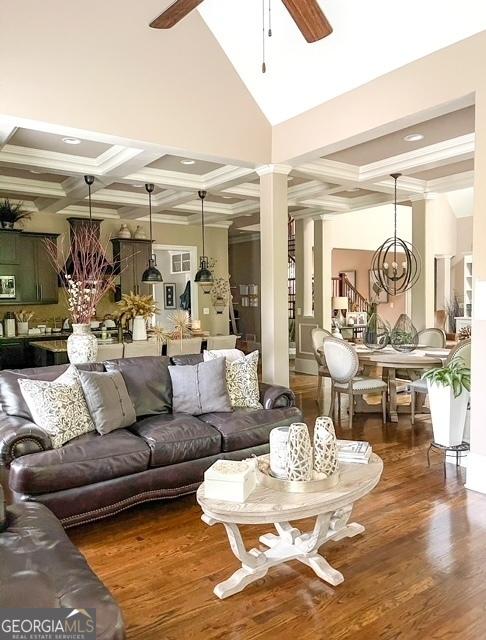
(310, 19)
(171, 16)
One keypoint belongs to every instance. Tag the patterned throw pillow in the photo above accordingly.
(60, 409)
(242, 382)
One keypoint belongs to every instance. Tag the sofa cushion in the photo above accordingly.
(148, 383)
(176, 438)
(250, 427)
(200, 388)
(12, 401)
(187, 359)
(88, 459)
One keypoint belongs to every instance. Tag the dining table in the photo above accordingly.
(393, 363)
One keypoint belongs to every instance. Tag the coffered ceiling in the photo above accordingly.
(44, 168)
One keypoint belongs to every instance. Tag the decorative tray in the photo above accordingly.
(319, 481)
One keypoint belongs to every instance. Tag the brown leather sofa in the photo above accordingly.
(160, 456)
(40, 567)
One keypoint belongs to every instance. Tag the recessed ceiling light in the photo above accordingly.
(414, 137)
(188, 162)
(228, 197)
(137, 186)
(35, 171)
(71, 140)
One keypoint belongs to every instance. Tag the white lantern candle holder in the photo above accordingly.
(325, 447)
(278, 452)
(299, 453)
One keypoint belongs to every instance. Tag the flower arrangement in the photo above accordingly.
(91, 276)
(220, 294)
(133, 305)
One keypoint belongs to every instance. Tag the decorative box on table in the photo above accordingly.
(230, 480)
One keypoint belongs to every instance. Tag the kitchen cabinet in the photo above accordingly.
(24, 255)
(131, 258)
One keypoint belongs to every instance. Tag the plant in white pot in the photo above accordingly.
(139, 310)
(449, 390)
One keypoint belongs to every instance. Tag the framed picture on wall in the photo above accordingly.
(7, 286)
(376, 293)
(170, 295)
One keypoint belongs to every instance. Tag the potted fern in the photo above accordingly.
(449, 390)
(11, 214)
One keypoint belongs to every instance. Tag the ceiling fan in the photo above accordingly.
(307, 15)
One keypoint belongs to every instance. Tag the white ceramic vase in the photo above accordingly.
(278, 451)
(448, 414)
(139, 328)
(299, 453)
(82, 345)
(325, 448)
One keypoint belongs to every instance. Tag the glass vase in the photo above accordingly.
(404, 336)
(377, 333)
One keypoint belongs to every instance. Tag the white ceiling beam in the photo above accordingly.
(430, 157)
(7, 130)
(76, 190)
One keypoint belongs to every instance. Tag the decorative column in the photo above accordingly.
(422, 239)
(322, 273)
(476, 464)
(274, 273)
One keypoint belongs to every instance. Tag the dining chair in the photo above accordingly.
(343, 364)
(461, 350)
(318, 335)
(432, 337)
(109, 352)
(221, 342)
(185, 346)
(140, 348)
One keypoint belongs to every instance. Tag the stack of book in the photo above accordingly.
(353, 451)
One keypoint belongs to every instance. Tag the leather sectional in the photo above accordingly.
(162, 455)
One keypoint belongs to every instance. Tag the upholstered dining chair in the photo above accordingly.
(318, 335)
(109, 352)
(432, 337)
(221, 342)
(140, 348)
(343, 364)
(461, 350)
(185, 346)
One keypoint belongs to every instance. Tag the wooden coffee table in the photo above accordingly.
(332, 510)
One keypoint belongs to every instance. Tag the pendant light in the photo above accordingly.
(89, 181)
(392, 272)
(151, 274)
(204, 275)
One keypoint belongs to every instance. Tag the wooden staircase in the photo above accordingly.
(342, 287)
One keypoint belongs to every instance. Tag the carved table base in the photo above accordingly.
(288, 544)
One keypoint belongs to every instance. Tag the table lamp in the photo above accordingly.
(340, 304)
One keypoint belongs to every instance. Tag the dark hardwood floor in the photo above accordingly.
(418, 571)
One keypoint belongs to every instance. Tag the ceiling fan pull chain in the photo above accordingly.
(270, 18)
(264, 66)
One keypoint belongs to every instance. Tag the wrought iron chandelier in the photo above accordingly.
(396, 264)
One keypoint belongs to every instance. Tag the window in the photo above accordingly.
(180, 262)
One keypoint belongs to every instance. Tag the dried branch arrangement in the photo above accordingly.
(92, 273)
